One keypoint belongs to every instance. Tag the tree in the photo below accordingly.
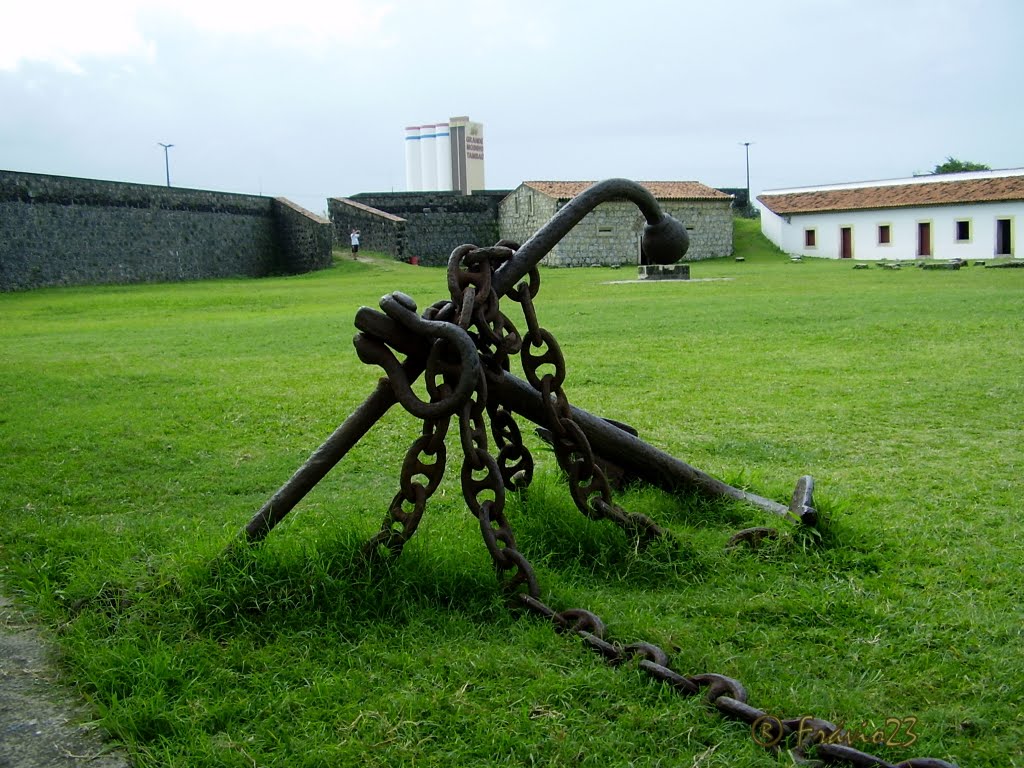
(952, 165)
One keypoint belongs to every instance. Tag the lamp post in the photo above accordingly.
(167, 163)
(746, 149)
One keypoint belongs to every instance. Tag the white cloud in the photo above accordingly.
(65, 33)
(500, 24)
(298, 22)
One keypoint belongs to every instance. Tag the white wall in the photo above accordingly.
(903, 223)
(771, 225)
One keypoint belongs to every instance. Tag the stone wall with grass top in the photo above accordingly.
(58, 230)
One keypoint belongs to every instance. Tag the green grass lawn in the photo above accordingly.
(142, 426)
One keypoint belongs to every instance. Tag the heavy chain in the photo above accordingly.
(457, 386)
(449, 381)
(400, 521)
(809, 740)
(544, 367)
(497, 340)
(484, 478)
(484, 490)
(470, 270)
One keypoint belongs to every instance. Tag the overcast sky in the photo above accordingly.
(309, 98)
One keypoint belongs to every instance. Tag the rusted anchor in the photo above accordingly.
(463, 347)
(463, 344)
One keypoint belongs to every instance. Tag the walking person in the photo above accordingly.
(354, 237)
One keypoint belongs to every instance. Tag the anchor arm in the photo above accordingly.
(324, 458)
(394, 327)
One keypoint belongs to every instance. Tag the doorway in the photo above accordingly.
(1004, 237)
(924, 239)
(846, 242)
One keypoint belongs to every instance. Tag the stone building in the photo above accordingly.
(610, 234)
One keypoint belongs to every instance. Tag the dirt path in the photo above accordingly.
(40, 721)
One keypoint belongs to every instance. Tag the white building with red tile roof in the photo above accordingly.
(975, 215)
(610, 234)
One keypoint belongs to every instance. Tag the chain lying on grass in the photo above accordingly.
(465, 334)
(809, 740)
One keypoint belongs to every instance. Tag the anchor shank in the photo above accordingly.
(632, 454)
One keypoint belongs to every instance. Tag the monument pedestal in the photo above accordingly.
(664, 271)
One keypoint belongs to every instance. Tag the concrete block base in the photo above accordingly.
(664, 271)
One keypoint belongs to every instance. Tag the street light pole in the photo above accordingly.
(167, 163)
(746, 149)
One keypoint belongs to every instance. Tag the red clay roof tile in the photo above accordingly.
(662, 190)
(984, 190)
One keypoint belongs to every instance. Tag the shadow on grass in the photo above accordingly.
(288, 582)
(332, 583)
(161, 579)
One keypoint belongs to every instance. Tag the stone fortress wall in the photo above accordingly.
(709, 225)
(427, 225)
(379, 230)
(524, 212)
(58, 230)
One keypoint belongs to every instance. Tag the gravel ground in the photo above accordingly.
(41, 722)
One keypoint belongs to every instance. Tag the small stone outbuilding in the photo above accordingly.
(610, 234)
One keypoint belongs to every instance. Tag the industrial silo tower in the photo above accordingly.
(445, 156)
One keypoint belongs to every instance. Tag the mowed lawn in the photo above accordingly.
(142, 426)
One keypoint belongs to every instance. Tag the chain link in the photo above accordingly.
(484, 478)
(806, 738)
(400, 523)
(588, 484)
(514, 458)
